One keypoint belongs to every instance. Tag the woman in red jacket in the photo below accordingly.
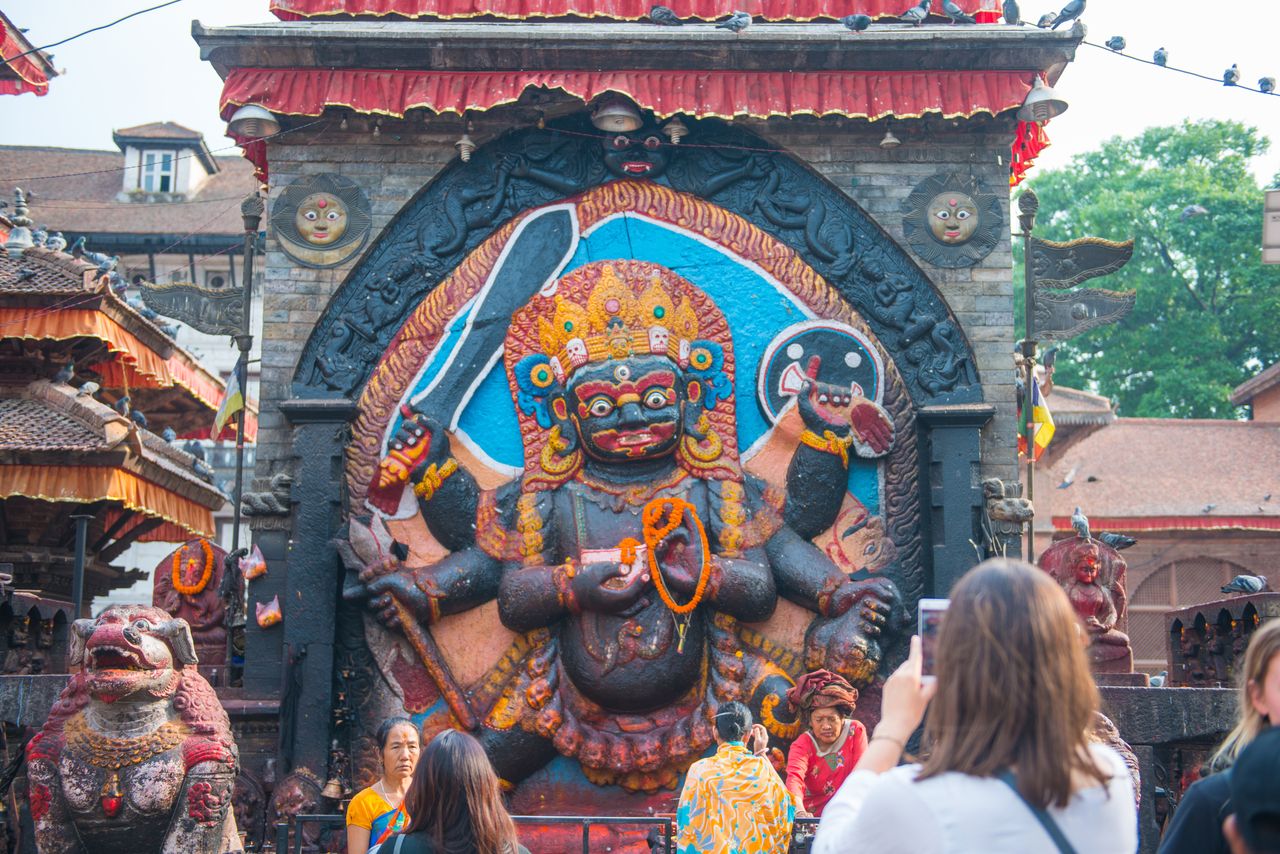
(821, 758)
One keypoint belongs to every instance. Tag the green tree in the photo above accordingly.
(1208, 312)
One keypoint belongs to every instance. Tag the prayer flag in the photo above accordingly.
(1041, 423)
(233, 399)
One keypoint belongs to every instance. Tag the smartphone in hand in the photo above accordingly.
(931, 613)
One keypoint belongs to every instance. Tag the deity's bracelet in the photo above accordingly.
(562, 575)
(434, 477)
(828, 443)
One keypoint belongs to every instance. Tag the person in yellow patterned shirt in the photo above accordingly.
(734, 802)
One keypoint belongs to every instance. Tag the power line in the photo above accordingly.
(9, 59)
(1185, 71)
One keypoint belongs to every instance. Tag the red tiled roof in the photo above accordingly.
(1251, 388)
(1175, 473)
(159, 130)
(27, 425)
(1072, 406)
(80, 203)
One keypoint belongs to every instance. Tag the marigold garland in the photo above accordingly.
(655, 531)
(197, 588)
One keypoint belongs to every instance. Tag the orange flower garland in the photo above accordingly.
(655, 531)
(197, 588)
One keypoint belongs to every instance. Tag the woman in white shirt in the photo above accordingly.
(1010, 767)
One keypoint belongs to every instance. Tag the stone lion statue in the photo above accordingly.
(137, 755)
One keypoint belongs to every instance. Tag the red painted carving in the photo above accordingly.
(199, 570)
(1093, 574)
(40, 800)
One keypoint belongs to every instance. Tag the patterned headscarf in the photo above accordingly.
(822, 689)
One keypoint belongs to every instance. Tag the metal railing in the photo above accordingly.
(801, 832)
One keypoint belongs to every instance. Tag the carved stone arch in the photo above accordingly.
(726, 165)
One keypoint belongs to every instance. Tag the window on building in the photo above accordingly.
(1175, 585)
(157, 173)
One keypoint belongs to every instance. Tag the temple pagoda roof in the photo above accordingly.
(30, 70)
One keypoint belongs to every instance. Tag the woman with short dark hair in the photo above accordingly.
(734, 801)
(456, 803)
(1011, 765)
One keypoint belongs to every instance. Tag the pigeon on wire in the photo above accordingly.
(1267, 84)
(1012, 15)
(1191, 211)
(1119, 542)
(1046, 20)
(1160, 57)
(663, 16)
(1080, 524)
(956, 14)
(1231, 76)
(1245, 584)
(857, 23)
(65, 373)
(169, 434)
(1069, 12)
(1116, 43)
(737, 22)
(917, 13)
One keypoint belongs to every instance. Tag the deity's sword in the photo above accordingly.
(539, 248)
(535, 254)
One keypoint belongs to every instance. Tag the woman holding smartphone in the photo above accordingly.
(1011, 766)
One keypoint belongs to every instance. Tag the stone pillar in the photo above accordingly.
(313, 576)
(952, 455)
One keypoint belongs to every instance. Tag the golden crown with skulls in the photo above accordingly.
(615, 321)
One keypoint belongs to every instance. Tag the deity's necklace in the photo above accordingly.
(655, 531)
(114, 754)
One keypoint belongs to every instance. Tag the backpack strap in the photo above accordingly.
(1046, 821)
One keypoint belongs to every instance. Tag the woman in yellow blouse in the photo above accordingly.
(377, 812)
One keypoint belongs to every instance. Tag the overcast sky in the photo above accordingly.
(148, 69)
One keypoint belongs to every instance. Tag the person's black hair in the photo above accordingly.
(385, 728)
(733, 720)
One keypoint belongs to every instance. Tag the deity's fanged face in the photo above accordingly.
(627, 409)
(639, 154)
(321, 219)
(952, 217)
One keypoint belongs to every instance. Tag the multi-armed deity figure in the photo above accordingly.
(633, 544)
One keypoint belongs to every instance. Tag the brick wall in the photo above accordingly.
(394, 164)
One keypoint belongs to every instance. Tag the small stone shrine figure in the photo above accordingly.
(188, 584)
(1093, 575)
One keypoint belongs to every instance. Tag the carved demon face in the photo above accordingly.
(321, 218)
(952, 217)
(627, 409)
(132, 653)
(639, 154)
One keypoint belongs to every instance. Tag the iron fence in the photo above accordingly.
(662, 842)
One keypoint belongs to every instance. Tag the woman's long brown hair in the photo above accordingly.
(1263, 647)
(1014, 689)
(455, 799)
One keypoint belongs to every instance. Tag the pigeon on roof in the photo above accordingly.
(917, 13)
(857, 23)
(665, 17)
(1069, 13)
(1080, 524)
(737, 22)
(956, 14)
(1012, 14)
(1246, 584)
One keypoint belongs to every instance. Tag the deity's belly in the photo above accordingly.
(633, 663)
(147, 794)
